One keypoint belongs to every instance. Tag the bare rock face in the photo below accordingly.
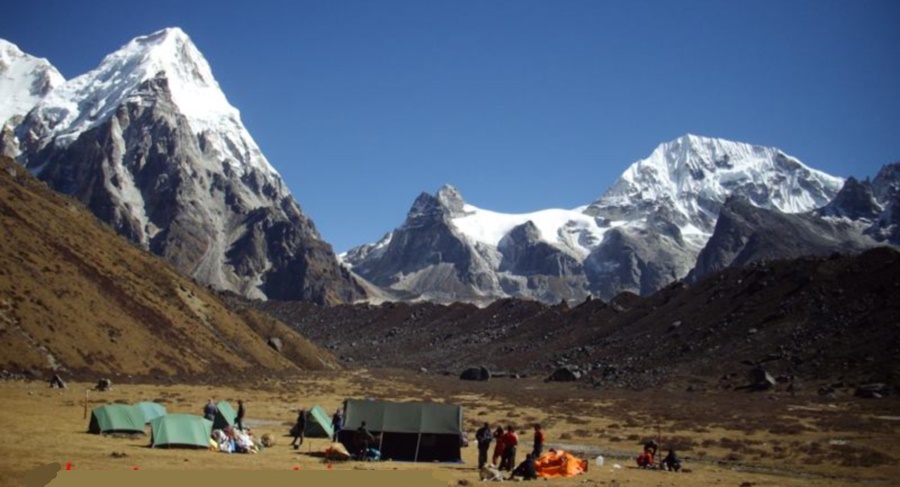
(186, 182)
(886, 188)
(861, 216)
(746, 234)
(428, 256)
(637, 260)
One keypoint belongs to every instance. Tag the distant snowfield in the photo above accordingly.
(558, 227)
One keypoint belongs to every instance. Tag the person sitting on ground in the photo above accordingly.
(103, 385)
(525, 469)
(490, 473)
(645, 460)
(671, 463)
(298, 429)
(651, 445)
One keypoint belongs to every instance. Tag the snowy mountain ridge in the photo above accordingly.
(24, 81)
(691, 172)
(88, 100)
(645, 231)
(693, 175)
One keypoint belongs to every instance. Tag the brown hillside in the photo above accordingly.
(74, 294)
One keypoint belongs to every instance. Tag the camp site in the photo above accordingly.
(416, 421)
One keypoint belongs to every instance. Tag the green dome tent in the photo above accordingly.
(318, 424)
(151, 410)
(116, 418)
(225, 416)
(183, 430)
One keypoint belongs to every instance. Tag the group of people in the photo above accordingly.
(505, 445)
(645, 460)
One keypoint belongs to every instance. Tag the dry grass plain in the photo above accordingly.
(730, 439)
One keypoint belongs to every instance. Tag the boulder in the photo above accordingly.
(760, 379)
(275, 343)
(875, 390)
(564, 374)
(475, 373)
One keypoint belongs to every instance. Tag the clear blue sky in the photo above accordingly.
(522, 105)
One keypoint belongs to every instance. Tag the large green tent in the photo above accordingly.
(116, 418)
(151, 410)
(185, 430)
(416, 431)
(225, 416)
(318, 424)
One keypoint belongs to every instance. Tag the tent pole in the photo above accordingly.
(418, 442)
(85, 402)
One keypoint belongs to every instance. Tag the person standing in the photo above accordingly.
(364, 437)
(483, 436)
(337, 424)
(510, 442)
(498, 447)
(239, 419)
(210, 410)
(538, 442)
(298, 429)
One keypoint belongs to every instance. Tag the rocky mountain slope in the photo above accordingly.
(643, 233)
(861, 216)
(746, 234)
(150, 144)
(76, 297)
(814, 321)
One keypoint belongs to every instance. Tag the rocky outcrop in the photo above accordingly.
(428, 257)
(745, 234)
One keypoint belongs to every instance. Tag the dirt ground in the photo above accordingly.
(725, 438)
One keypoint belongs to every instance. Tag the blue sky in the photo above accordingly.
(522, 105)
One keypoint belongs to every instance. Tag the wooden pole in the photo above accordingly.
(85, 402)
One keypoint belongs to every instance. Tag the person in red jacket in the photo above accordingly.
(498, 446)
(510, 442)
(645, 460)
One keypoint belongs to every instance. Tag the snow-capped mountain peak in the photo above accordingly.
(642, 234)
(148, 141)
(172, 53)
(694, 175)
(24, 80)
(169, 55)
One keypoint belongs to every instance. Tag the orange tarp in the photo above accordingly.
(559, 464)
